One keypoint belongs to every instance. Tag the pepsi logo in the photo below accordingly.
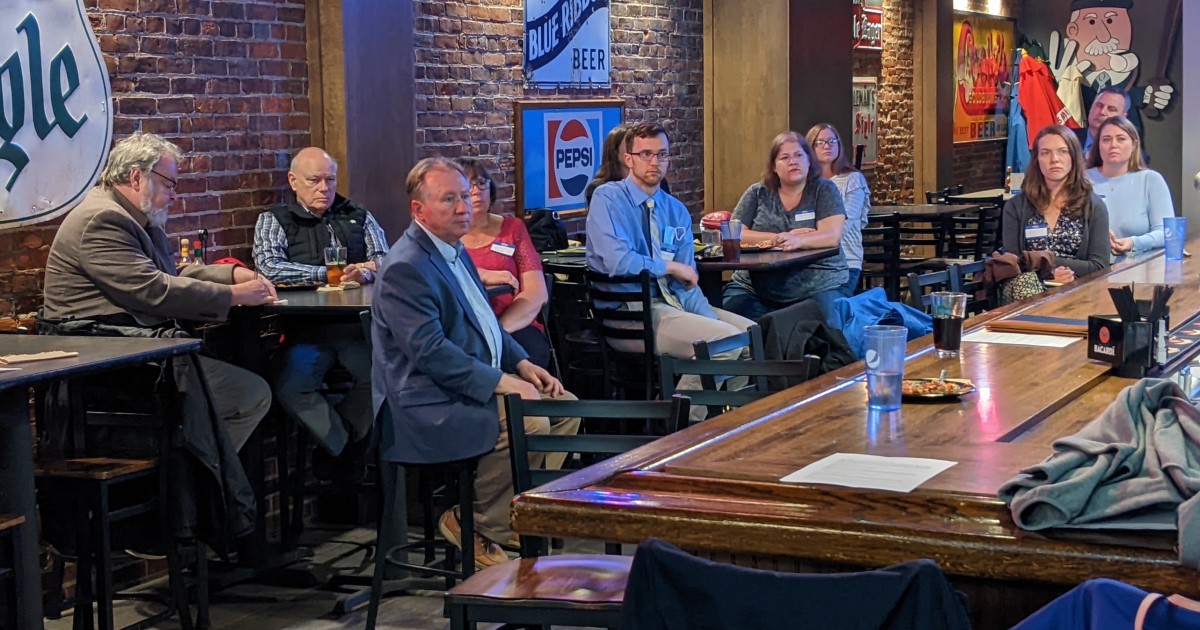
(571, 157)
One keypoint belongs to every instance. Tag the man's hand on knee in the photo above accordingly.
(540, 378)
(510, 384)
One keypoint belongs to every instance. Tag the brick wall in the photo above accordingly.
(224, 79)
(469, 72)
(892, 179)
(979, 165)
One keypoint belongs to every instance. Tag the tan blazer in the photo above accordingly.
(106, 260)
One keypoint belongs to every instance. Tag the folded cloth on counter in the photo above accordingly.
(1001, 267)
(1140, 460)
(850, 315)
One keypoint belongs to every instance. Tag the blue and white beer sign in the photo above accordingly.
(55, 113)
(567, 42)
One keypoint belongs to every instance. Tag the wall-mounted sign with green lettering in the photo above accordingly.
(55, 109)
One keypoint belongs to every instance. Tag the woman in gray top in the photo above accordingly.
(1057, 210)
(856, 195)
(793, 207)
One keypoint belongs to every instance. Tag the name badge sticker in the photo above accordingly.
(806, 216)
(504, 249)
(1036, 231)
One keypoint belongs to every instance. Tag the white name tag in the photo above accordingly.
(806, 216)
(1036, 231)
(504, 249)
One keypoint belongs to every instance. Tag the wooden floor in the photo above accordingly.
(243, 607)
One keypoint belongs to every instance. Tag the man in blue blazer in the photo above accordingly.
(441, 358)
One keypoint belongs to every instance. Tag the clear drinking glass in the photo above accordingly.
(335, 265)
(948, 310)
(1175, 234)
(885, 365)
(731, 240)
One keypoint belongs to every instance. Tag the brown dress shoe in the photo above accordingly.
(487, 553)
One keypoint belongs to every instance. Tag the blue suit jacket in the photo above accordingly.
(432, 378)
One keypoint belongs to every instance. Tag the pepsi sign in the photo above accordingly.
(55, 117)
(560, 146)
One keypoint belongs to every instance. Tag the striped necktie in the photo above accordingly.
(656, 243)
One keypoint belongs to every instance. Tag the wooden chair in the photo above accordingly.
(939, 196)
(881, 255)
(11, 587)
(572, 589)
(918, 297)
(718, 400)
(623, 314)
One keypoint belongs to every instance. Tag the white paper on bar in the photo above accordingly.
(4, 369)
(1020, 339)
(899, 474)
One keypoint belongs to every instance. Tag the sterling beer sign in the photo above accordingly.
(567, 42)
(55, 119)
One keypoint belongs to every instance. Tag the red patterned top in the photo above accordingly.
(493, 256)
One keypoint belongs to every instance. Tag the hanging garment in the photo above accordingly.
(1039, 100)
(1069, 91)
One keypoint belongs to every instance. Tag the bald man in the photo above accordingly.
(289, 244)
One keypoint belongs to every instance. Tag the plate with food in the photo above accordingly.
(765, 246)
(936, 389)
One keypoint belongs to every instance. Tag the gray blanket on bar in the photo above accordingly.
(1138, 462)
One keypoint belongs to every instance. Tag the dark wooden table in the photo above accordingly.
(714, 488)
(313, 302)
(923, 212)
(96, 354)
(712, 272)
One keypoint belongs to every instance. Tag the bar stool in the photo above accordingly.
(11, 588)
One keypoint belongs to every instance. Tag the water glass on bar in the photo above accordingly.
(949, 310)
(1174, 235)
(885, 365)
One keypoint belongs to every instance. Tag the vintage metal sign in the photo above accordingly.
(567, 42)
(55, 112)
(868, 25)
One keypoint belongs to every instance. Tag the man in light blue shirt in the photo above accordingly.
(632, 225)
(440, 359)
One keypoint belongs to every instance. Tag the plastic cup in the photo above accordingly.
(885, 365)
(335, 265)
(948, 310)
(1175, 234)
(731, 240)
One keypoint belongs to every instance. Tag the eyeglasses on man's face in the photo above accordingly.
(820, 144)
(648, 155)
(170, 182)
(480, 182)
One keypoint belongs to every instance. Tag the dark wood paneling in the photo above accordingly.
(820, 64)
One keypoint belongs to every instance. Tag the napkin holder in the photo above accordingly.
(1127, 346)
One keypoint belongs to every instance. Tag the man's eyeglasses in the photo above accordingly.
(170, 182)
(480, 183)
(818, 144)
(648, 155)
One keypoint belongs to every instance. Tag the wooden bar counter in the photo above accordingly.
(713, 488)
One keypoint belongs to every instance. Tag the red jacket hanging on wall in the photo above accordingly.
(1039, 100)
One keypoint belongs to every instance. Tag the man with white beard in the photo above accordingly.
(112, 266)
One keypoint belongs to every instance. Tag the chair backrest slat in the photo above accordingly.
(718, 399)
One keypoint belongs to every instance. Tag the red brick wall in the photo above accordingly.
(226, 80)
(979, 165)
(469, 72)
(892, 179)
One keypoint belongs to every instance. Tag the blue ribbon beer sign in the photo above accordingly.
(55, 113)
(567, 42)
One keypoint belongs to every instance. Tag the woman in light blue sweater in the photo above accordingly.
(1137, 198)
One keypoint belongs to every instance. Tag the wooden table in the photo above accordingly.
(714, 489)
(96, 354)
(924, 211)
(712, 272)
(990, 193)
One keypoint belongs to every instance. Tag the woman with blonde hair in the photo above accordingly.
(1137, 198)
(1057, 210)
(856, 195)
(793, 208)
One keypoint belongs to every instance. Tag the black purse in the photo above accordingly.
(545, 230)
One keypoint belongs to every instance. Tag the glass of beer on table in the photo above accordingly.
(948, 310)
(335, 264)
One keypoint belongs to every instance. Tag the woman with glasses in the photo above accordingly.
(1137, 198)
(792, 208)
(856, 196)
(502, 251)
(1056, 209)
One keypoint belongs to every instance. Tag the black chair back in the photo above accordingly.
(752, 339)
(939, 196)
(881, 254)
(572, 330)
(976, 234)
(968, 278)
(918, 296)
(623, 315)
(718, 400)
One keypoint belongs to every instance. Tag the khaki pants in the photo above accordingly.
(675, 331)
(493, 481)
